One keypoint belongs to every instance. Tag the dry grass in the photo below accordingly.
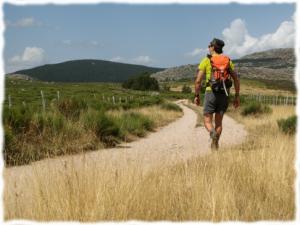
(252, 181)
(159, 116)
(253, 90)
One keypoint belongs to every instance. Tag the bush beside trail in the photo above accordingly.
(288, 125)
(255, 108)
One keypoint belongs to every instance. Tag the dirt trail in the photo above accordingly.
(173, 143)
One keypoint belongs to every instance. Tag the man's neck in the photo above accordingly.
(214, 53)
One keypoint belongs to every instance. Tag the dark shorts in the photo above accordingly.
(215, 103)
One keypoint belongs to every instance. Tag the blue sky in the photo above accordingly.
(154, 35)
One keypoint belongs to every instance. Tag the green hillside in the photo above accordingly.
(87, 71)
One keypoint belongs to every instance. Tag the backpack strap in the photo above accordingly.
(209, 56)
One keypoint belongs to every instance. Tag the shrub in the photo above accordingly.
(254, 108)
(104, 126)
(52, 122)
(9, 140)
(142, 82)
(135, 123)
(18, 118)
(171, 106)
(186, 89)
(288, 125)
(72, 107)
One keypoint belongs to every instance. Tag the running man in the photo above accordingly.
(217, 70)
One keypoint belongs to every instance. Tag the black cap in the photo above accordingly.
(217, 43)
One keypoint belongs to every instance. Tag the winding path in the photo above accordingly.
(174, 143)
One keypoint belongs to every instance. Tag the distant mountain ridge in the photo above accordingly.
(89, 70)
(275, 64)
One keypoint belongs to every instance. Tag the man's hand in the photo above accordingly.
(236, 102)
(197, 100)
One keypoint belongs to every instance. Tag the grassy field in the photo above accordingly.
(249, 182)
(81, 117)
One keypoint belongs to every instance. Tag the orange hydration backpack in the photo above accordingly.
(220, 79)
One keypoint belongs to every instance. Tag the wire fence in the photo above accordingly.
(112, 99)
(273, 100)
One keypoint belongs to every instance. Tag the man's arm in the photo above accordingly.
(198, 81)
(236, 81)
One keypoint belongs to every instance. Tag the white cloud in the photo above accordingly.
(31, 56)
(196, 52)
(143, 59)
(24, 22)
(239, 42)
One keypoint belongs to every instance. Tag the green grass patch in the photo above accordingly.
(255, 108)
(134, 123)
(104, 126)
(289, 125)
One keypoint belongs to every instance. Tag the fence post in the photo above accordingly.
(43, 101)
(113, 98)
(24, 103)
(103, 97)
(58, 96)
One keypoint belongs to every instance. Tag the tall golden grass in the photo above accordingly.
(249, 182)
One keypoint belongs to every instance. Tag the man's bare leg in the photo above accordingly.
(208, 121)
(218, 123)
(212, 132)
(218, 127)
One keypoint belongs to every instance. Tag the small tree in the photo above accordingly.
(142, 82)
(186, 89)
(166, 87)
